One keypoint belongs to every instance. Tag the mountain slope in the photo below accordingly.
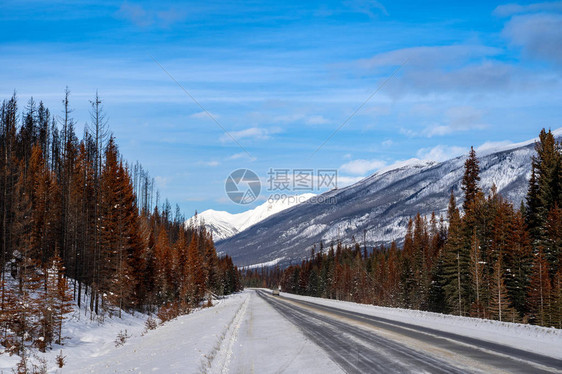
(378, 207)
(224, 225)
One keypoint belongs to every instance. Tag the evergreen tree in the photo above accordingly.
(556, 299)
(518, 262)
(539, 291)
(499, 304)
(456, 264)
(195, 272)
(470, 179)
(544, 185)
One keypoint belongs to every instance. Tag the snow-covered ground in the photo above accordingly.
(86, 338)
(240, 333)
(243, 333)
(268, 343)
(537, 339)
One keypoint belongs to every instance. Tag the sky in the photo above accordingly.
(196, 90)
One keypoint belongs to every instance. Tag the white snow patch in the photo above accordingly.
(224, 225)
(265, 264)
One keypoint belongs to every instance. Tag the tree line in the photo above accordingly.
(77, 222)
(488, 259)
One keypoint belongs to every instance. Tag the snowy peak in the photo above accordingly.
(224, 224)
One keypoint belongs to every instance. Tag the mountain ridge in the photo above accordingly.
(223, 224)
(378, 207)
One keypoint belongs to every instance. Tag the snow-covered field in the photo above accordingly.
(86, 338)
(240, 333)
(542, 340)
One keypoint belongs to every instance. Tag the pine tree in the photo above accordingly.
(556, 297)
(477, 275)
(532, 207)
(210, 265)
(63, 299)
(518, 262)
(163, 262)
(499, 304)
(539, 291)
(456, 264)
(470, 179)
(195, 272)
(116, 274)
(544, 186)
(553, 242)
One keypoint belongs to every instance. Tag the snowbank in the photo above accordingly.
(86, 338)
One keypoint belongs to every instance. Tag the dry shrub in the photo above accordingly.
(60, 359)
(121, 338)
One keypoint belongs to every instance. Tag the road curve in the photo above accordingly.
(361, 343)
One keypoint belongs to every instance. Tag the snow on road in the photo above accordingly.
(268, 343)
(240, 334)
(537, 339)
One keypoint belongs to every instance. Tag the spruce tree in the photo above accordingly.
(500, 308)
(538, 298)
(544, 186)
(470, 179)
(456, 264)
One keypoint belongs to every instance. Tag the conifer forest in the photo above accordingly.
(79, 224)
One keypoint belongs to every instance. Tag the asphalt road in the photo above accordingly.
(360, 343)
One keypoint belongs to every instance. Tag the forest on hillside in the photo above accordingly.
(488, 259)
(77, 222)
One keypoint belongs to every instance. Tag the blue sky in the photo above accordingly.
(280, 77)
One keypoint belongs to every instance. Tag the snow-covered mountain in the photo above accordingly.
(377, 207)
(224, 225)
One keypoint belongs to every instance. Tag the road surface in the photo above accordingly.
(360, 343)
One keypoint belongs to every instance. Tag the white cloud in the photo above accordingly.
(241, 155)
(437, 130)
(316, 120)
(144, 17)
(368, 7)
(458, 118)
(301, 117)
(387, 143)
(162, 182)
(255, 133)
(539, 35)
(171, 16)
(430, 56)
(135, 14)
(507, 10)
(237, 156)
(209, 163)
(203, 114)
(408, 132)
(361, 167)
(440, 152)
(450, 68)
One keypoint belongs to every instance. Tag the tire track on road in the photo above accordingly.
(357, 350)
